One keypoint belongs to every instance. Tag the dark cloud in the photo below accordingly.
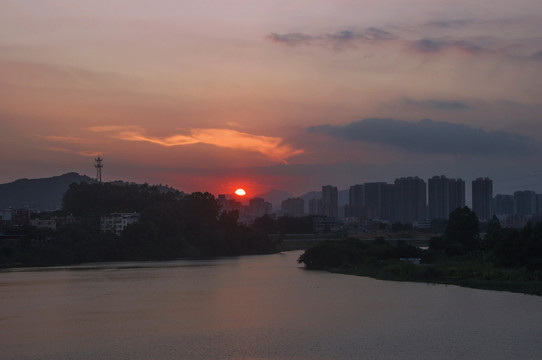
(434, 37)
(536, 56)
(428, 45)
(446, 105)
(336, 40)
(457, 23)
(347, 38)
(432, 137)
(291, 39)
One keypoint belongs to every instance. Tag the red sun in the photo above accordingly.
(240, 192)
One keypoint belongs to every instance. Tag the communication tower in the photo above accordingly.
(99, 167)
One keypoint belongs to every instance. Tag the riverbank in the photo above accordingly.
(472, 276)
(381, 260)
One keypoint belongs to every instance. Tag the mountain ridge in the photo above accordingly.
(38, 194)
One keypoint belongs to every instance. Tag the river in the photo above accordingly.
(254, 307)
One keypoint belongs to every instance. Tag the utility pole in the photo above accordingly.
(99, 167)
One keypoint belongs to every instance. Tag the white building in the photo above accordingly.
(117, 222)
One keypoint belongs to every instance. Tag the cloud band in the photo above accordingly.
(428, 136)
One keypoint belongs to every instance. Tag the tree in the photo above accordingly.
(460, 235)
(463, 227)
(520, 247)
(266, 224)
(493, 233)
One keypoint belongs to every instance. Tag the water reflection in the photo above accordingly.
(256, 307)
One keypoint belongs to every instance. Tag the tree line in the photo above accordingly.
(501, 259)
(171, 225)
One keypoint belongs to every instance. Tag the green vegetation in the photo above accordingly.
(171, 225)
(504, 259)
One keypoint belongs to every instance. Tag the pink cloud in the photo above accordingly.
(271, 147)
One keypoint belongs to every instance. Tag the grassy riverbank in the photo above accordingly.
(479, 276)
(380, 260)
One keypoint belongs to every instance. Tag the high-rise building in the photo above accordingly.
(410, 200)
(388, 202)
(374, 200)
(330, 201)
(258, 207)
(482, 196)
(444, 195)
(457, 194)
(526, 202)
(356, 197)
(315, 207)
(294, 207)
(438, 189)
(504, 205)
(225, 204)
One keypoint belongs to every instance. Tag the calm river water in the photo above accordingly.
(254, 307)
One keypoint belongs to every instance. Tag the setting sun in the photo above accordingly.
(240, 192)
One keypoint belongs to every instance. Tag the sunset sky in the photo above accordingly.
(213, 95)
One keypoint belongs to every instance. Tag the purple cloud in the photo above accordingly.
(428, 45)
(435, 137)
(446, 105)
(335, 40)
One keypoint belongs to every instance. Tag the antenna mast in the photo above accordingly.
(99, 167)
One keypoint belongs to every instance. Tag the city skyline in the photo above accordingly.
(263, 95)
(456, 194)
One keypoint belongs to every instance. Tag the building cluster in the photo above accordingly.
(15, 217)
(117, 222)
(408, 200)
(412, 200)
(53, 223)
(517, 209)
(21, 217)
(257, 207)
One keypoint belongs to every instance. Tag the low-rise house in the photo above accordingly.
(15, 217)
(52, 223)
(117, 222)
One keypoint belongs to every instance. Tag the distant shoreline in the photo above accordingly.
(403, 262)
(526, 288)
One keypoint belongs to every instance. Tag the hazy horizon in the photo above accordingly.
(277, 198)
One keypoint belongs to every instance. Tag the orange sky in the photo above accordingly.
(213, 95)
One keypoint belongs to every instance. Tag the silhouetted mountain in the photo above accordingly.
(47, 193)
(311, 195)
(275, 197)
(38, 194)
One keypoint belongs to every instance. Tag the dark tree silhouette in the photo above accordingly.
(463, 227)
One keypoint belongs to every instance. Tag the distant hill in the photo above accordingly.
(309, 196)
(275, 197)
(46, 193)
(38, 194)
